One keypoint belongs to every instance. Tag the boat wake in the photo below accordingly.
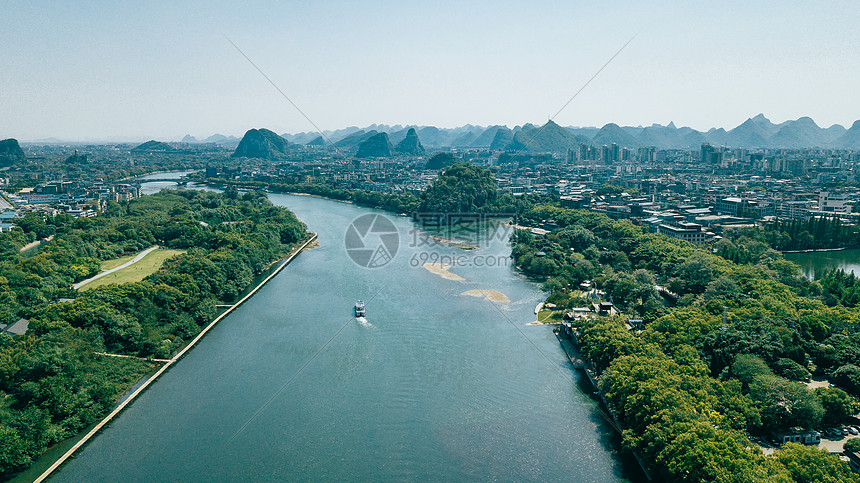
(363, 321)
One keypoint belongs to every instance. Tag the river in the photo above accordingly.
(818, 262)
(150, 187)
(433, 386)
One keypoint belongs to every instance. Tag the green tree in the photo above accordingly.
(814, 465)
(695, 273)
(789, 369)
(705, 453)
(14, 451)
(785, 404)
(461, 188)
(847, 376)
(838, 405)
(747, 367)
(577, 237)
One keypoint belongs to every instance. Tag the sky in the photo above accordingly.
(90, 71)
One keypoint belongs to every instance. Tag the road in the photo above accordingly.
(5, 205)
(134, 260)
(833, 444)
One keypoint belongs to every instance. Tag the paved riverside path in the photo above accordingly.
(134, 260)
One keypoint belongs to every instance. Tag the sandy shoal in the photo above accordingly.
(441, 269)
(491, 295)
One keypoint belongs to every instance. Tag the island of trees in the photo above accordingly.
(54, 380)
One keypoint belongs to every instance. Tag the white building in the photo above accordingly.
(833, 203)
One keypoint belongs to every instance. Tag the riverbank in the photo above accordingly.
(815, 250)
(140, 177)
(314, 196)
(122, 405)
(566, 338)
(283, 192)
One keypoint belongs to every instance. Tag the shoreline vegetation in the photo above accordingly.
(816, 250)
(53, 381)
(167, 363)
(697, 379)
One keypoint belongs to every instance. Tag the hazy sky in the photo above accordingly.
(141, 70)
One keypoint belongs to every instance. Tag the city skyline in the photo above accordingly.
(99, 71)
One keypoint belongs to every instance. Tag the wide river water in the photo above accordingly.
(434, 385)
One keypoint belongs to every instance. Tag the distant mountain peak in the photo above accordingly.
(502, 138)
(261, 143)
(613, 133)
(376, 146)
(10, 152)
(354, 139)
(548, 138)
(411, 144)
(153, 146)
(317, 141)
(755, 132)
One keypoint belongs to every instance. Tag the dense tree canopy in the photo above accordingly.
(464, 188)
(730, 335)
(52, 380)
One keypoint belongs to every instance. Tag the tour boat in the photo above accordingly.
(359, 309)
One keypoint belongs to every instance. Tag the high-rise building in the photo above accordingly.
(711, 155)
(586, 153)
(647, 155)
(611, 153)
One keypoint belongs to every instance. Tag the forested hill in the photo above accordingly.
(465, 188)
(460, 188)
(52, 381)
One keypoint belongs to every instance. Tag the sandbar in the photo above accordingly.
(441, 269)
(491, 295)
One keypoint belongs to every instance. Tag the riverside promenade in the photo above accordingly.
(167, 365)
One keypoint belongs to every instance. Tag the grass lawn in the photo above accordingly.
(135, 272)
(108, 264)
(550, 316)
